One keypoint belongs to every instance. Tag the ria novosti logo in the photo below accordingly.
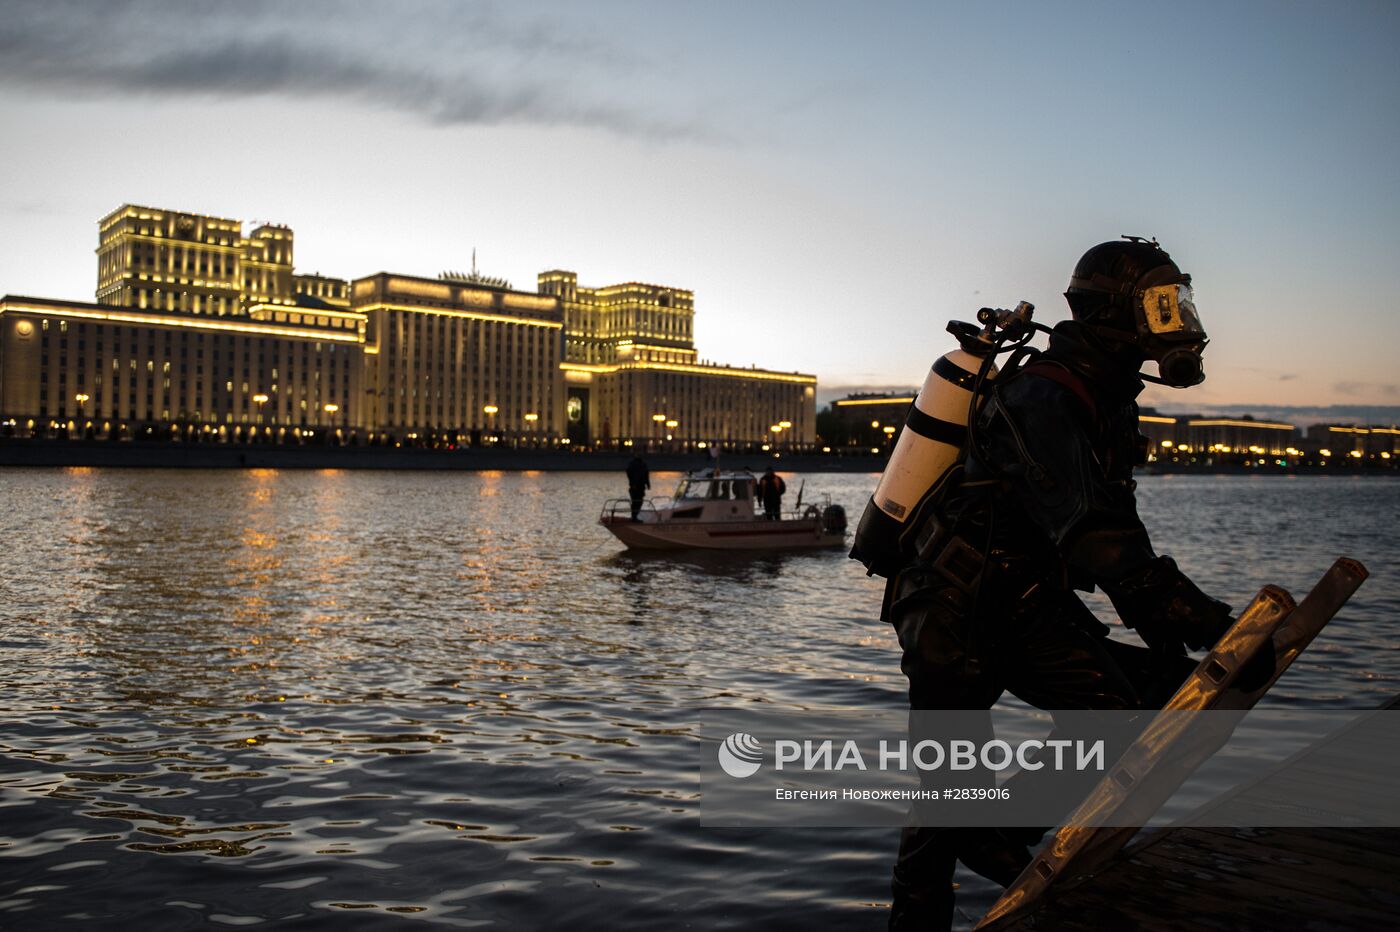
(740, 755)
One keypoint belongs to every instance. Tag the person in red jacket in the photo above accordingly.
(770, 491)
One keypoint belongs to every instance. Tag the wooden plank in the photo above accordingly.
(1213, 880)
(1140, 893)
(1323, 878)
(1217, 892)
(1316, 790)
(1360, 843)
(1323, 845)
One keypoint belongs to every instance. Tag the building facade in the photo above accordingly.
(1163, 432)
(460, 359)
(202, 332)
(1239, 435)
(74, 369)
(633, 376)
(868, 420)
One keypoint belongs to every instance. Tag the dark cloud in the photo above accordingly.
(448, 64)
(1372, 414)
(1288, 377)
(28, 206)
(829, 393)
(1351, 387)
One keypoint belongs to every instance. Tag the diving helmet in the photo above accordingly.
(1129, 291)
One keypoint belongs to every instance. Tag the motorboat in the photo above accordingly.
(715, 509)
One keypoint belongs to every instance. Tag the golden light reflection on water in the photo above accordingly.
(256, 567)
(329, 553)
(77, 531)
(490, 485)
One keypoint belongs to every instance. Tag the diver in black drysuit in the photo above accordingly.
(1045, 506)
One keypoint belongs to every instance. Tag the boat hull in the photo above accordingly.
(722, 535)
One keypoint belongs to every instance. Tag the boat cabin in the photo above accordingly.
(713, 495)
(737, 487)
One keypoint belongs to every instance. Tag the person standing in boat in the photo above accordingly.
(770, 491)
(638, 481)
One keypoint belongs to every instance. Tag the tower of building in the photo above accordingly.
(169, 260)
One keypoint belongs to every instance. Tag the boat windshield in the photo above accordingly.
(735, 489)
(695, 489)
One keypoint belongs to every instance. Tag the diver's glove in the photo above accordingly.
(1171, 613)
(1167, 609)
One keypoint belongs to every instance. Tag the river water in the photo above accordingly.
(305, 698)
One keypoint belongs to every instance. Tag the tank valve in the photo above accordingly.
(1012, 323)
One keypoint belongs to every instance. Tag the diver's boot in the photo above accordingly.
(920, 907)
(994, 854)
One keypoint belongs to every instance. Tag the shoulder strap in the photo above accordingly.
(1063, 376)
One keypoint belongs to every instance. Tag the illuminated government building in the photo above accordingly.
(200, 332)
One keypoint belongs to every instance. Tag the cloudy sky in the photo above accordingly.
(834, 181)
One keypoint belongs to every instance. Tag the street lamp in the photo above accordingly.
(260, 399)
(81, 398)
(530, 418)
(659, 419)
(490, 412)
(330, 408)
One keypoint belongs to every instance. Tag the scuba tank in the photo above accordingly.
(935, 435)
